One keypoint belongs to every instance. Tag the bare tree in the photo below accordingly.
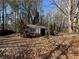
(66, 7)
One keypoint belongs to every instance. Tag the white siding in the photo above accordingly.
(38, 30)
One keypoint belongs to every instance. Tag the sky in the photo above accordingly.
(8, 10)
(48, 7)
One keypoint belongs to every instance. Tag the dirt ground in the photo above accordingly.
(65, 46)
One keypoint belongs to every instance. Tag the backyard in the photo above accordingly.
(39, 29)
(16, 47)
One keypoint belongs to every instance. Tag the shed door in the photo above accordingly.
(42, 32)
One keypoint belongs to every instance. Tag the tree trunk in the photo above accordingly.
(3, 16)
(69, 16)
(69, 25)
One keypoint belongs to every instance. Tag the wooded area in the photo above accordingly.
(27, 31)
(25, 12)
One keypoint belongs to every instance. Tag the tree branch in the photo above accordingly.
(59, 8)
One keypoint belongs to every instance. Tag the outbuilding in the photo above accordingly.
(35, 30)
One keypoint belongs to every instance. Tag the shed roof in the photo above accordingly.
(36, 26)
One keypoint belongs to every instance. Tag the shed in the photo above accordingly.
(36, 30)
